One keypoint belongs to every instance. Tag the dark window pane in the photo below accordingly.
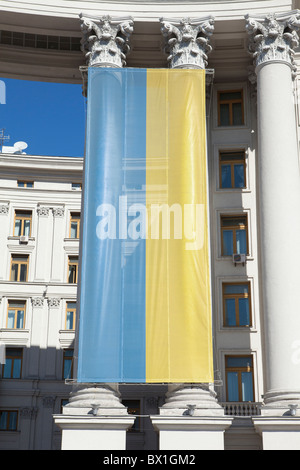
(239, 361)
(237, 115)
(230, 95)
(224, 115)
(226, 176)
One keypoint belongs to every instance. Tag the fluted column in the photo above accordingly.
(272, 40)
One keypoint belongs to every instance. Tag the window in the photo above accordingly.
(234, 235)
(8, 420)
(230, 108)
(239, 378)
(19, 268)
(74, 225)
(15, 314)
(70, 315)
(72, 269)
(237, 304)
(13, 364)
(76, 185)
(25, 184)
(68, 364)
(22, 225)
(232, 169)
(134, 408)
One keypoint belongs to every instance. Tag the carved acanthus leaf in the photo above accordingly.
(105, 41)
(186, 42)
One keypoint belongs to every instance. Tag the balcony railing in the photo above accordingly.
(242, 408)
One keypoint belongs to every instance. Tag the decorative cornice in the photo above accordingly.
(273, 37)
(53, 302)
(4, 209)
(105, 40)
(48, 402)
(43, 211)
(28, 412)
(37, 301)
(58, 211)
(186, 41)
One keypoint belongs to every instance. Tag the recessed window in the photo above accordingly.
(234, 235)
(72, 269)
(232, 169)
(236, 304)
(134, 408)
(239, 378)
(13, 364)
(75, 225)
(70, 315)
(8, 420)
(68, 364)
(25, 184)
(22, 224)
(230, 108)
(16, 314)
(19, 268)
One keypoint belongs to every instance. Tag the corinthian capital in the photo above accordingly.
(105, 40)
(187, 41)
(273, 37)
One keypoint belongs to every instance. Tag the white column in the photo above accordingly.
(191, 417)
(272, 39)
(43, 245)
(58, 258)
(95, 418)
(4, 232)
(37, 327)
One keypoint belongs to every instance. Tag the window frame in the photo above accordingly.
(234, 228)
(236, 297)
(19, 263)
(25, 184)
(230, 102)
(9, 412)
(9, 355)
(23, 219)
(74, 217)
(231, 163)
(239, 370)
(21, 302)
(74, 315)
(67, 358)
(73, 263)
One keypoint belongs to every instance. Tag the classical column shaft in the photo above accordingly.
(271, 41)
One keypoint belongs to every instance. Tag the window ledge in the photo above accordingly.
(229, 258)
(233, 190)
(14, 330)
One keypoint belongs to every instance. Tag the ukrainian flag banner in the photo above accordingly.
(145, 303)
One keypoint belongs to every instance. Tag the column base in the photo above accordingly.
(191, 419)
(278, 433)
(279, 403)
(191, 433)
(94, 419)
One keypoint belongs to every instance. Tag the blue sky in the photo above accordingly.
(49, 117)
